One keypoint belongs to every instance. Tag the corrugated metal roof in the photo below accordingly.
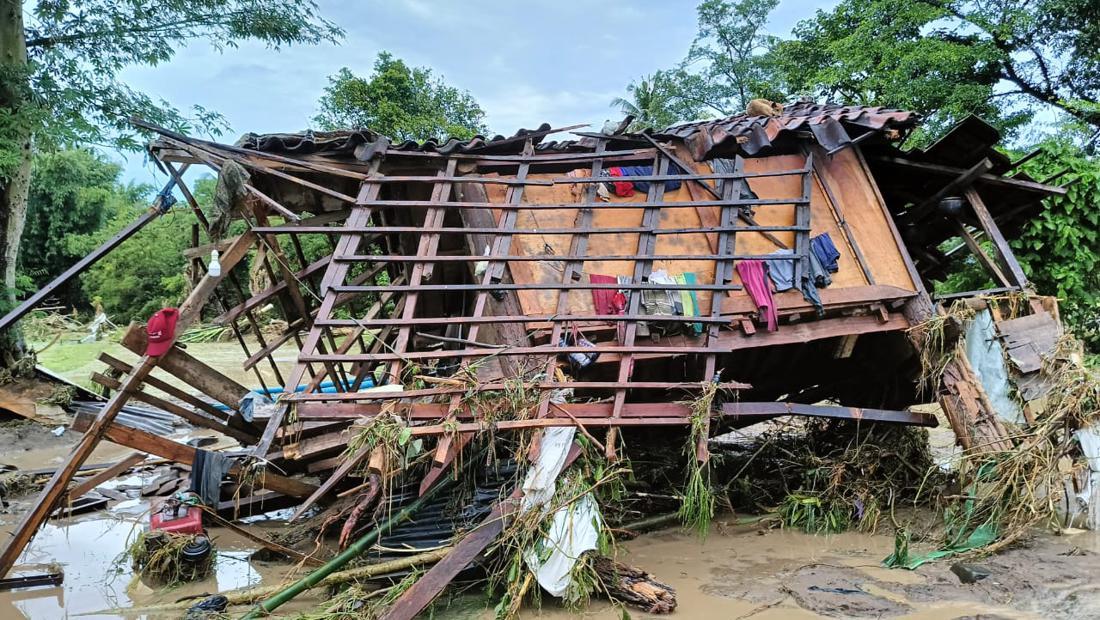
(363, 143)
(832, 125)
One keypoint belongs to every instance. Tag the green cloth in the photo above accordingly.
(957, 526)
(980, 537)
(689, 302)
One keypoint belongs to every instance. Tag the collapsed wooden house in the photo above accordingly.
(613, 278)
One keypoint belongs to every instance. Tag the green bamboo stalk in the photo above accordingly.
(266, 607)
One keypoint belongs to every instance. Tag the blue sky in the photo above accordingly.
(526, 62)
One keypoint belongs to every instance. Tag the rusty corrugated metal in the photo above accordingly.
(363, 143)
(832, 125)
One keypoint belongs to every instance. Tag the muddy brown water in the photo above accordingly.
(736, 572)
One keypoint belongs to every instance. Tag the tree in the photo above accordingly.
(71, 193)
(59, 86)
(1060, 247)
(400, 103)
(148, 271)
(651, 102)
(729, 63)
(999, 59)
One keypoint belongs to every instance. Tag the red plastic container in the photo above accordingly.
(188, 521)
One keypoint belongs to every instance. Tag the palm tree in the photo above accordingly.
(650, 102)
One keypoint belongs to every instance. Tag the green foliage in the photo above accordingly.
(1060, 248)
(144, 274)
(76, 50)
(399, 102)
(894, 54)
(814, 515)
(730, 58)
(652, 103)
(947, 58)
(71, 192)
(148, 271)
(729, 64)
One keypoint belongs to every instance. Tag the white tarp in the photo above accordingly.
(1089, 498)
(986, 357)
(574, 528)
(538, 486)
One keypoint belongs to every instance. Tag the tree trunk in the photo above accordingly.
(15, 175)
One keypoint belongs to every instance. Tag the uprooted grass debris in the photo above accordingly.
(829, 475)
(163, 558)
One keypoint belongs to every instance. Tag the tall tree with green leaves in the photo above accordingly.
(729, 63)
(400, 102)
(653, 102)
(59, 66)
(999, 59)
(72, 192)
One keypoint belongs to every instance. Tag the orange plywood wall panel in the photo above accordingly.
(866, 216)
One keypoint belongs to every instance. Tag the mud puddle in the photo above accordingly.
(736, 572)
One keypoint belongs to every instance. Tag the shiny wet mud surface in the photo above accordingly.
(736, 572)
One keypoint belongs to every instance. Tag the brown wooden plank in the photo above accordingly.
(167, 388)
(194, 417)
(1000, 244)
(166, 448)
(976, 249)
(986, 179)
(189, 369)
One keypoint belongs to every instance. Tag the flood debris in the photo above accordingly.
(505, 357)
(165, 559)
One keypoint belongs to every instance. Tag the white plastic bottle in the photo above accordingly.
(214, 269)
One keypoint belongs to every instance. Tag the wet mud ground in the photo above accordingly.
(736, 572)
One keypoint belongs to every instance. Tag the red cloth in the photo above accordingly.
(607, 301)
(622, 188)
(755, 279)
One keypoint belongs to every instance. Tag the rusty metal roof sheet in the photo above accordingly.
(832, 125)
(363, 143)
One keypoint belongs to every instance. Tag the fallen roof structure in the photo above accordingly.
(606, 284)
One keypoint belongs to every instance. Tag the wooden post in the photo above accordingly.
(1000, 245)
(55, 488)
(970, 242)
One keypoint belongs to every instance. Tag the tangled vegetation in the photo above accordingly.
(829, 475)
(161, 558)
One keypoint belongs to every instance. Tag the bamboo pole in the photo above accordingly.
(315, 578)
(248, 596)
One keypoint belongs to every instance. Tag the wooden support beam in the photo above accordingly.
(771, 409)
(189, 369)
(956, 186)
(270, 292)
(167, 388)
(976, 249)
(1000, 244)
(194, 417)
(984, 179)
(138, 439)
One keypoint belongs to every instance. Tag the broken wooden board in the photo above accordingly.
(180, 453)
(1028, 339)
